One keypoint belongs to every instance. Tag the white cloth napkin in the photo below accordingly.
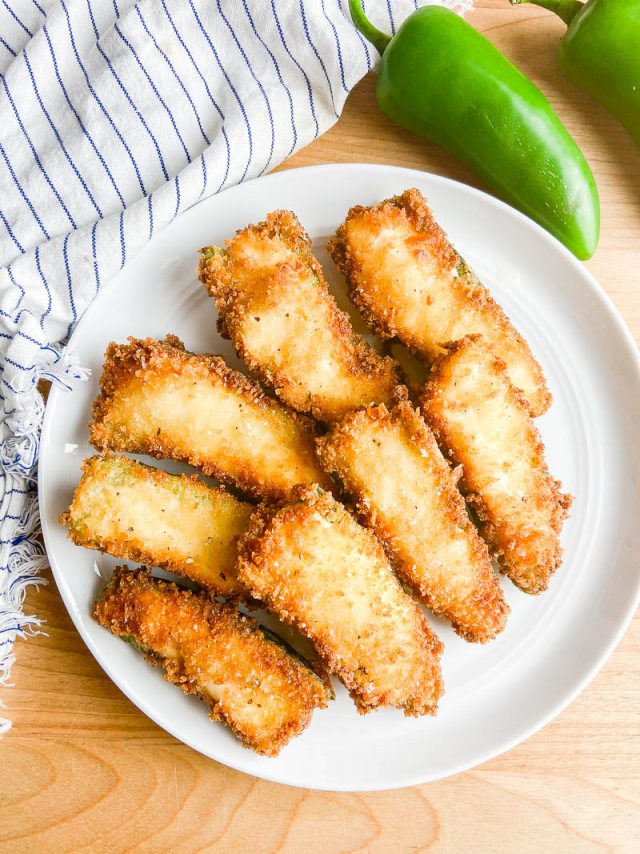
(114, 118)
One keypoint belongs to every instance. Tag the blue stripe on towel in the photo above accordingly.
(70, 103)
(21, 190)
(154, 89)
(231, 86)
(76, 172)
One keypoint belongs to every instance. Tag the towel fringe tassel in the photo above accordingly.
(24, 558)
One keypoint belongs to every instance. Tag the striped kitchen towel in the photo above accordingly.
(116, 116)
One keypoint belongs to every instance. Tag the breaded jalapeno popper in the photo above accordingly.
(482, 423)
(158, 399)
(312, 563)
(247, 677)
(407, 494)
(408, 281)
(275, 306)
(175, 522)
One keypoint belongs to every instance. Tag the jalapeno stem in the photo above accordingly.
(565, 9)
(362, 23)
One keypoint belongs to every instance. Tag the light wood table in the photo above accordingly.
(83, 769)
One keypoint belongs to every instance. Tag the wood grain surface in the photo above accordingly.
(84, 770)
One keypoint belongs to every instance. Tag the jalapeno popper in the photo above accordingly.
(482, 423)
(407, 494)
(175, 522)
(275, 306)
(408, 281)
(158, 399)
(247, 677)
(312, 564)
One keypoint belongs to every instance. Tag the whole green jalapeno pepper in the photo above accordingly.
(443, 80)
(600, 53)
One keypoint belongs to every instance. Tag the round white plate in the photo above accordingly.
(498, 694)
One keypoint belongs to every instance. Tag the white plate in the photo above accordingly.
(496, 695)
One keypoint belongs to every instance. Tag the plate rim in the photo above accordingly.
(605, 302)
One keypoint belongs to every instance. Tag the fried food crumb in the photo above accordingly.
(482, 423)
(275, 306)
(406, 492)
(408, 281)
(156, 398)
(176, 522)
(247, 677)
(317, 568)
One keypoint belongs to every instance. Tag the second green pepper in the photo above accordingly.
(443, 80)
(600, 53)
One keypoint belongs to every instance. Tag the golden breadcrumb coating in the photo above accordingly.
(275, 306)
(176, 522)
(483, 424)
(158, 399)
(408, 281)
(248, 678)
(312, 564)
(407, 494)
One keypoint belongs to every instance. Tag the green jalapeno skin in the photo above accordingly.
(600, 53)
(443, 80)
